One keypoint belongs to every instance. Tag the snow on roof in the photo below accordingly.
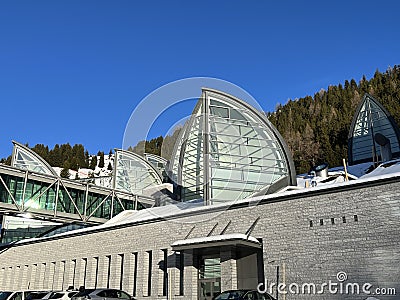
(356, 170)
(216, 238)
(386, 168)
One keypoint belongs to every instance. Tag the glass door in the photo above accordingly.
(209, 288)
(209, 278)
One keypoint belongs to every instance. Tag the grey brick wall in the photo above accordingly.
(309, 237)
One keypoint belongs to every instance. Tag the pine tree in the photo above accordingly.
(78, 152)
(87, 159)
(109, 167)
(64, 173)
(55, 158)
(93, 162)
(101, 161)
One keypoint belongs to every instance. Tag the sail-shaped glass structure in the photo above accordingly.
(228, 151)
(133, 173)
(371, 119)
(26, 159)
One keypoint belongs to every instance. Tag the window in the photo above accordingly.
(56, 296)
(150, 259)
(135, 267)
(181, 268)
(344, 219)
(84, 293)
(355, 218)
(333, 221)
(111, 294)
(210, 268)
(84, 270)
(36, 295)
(73, 276)
(103, 293)
(122, 295)
(321, 222)
(165, 272)
(108, 271)
(122, 271)
(17, 296)
(63, 273)
(222, 112)
(96, 272)
(4, 295)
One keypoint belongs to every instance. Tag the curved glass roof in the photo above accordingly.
(133, 173)
(370, 119)
(25, 158)
(228, 151)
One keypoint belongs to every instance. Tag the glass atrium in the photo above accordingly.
(229, 151)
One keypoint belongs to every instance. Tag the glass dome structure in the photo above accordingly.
(371, 119)
(229, 151)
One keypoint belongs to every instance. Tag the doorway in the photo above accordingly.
(209, 278)
(209, 288)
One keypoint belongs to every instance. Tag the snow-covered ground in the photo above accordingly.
(101, 175)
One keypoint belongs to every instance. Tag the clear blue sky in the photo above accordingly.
(73, 70)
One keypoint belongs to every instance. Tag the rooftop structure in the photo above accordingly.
(229, 151)
(374, 136)
(26, 159)
(133, 173)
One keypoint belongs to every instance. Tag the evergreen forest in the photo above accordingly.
(316, 127)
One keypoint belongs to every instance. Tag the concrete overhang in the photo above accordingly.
(224, 240)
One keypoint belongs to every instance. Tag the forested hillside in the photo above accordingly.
(316, 127)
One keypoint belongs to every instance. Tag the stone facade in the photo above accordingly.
(308, 237)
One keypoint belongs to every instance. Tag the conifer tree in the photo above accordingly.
(101, 160)
(93, 162)
(64, 173)
(87, 159)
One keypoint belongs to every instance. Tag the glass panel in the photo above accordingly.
(134, 174)
(27, 159)
(239, 146)
(210, 268)
(244, 155)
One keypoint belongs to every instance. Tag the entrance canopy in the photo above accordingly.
(236, 239)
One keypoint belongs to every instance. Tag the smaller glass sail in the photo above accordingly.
(26, 159)
(370, 119)
(134, 174)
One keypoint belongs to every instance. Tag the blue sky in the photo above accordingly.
(73, 71)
